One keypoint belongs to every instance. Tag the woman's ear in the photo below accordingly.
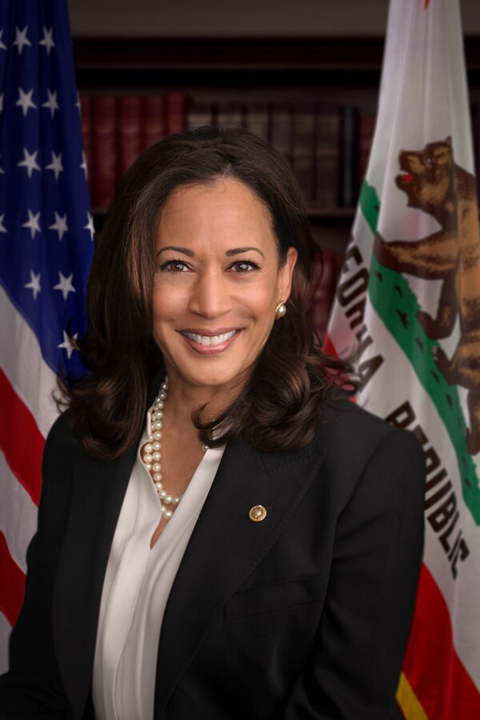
(286, 274)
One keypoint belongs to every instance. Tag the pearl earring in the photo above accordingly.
(280, 310)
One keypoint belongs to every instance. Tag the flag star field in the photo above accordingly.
(46, 227)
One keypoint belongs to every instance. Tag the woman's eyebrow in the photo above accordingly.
(237, 251)
(185, 251)
(229, 253)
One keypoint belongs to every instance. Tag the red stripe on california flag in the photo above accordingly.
(12, 582)
(23, 450)
(435, 672)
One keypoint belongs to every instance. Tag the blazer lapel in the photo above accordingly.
(98, 491)
(226, 546)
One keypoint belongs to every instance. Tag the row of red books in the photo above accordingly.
(116, 129)
(326, 146)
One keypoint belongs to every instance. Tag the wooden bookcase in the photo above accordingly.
(327, 70)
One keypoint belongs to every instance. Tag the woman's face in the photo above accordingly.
(217, 284)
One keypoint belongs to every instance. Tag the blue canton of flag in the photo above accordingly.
(46, 226)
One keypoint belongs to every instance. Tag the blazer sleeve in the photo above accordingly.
(32, 687)
(355, 663)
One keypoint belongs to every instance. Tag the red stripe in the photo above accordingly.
(12, 584)
(20, 439)
(437, 676)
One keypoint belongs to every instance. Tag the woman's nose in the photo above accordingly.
(210, 295)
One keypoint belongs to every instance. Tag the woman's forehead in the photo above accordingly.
(227, 191)
(218, 210)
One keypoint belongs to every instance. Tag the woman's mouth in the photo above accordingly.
(210, 344)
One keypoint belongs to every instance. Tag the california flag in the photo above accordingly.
(407, 309)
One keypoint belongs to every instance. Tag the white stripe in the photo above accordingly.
(18, 514)
(4, 635)
(23, 364)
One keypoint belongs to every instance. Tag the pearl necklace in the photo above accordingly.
(151, 455)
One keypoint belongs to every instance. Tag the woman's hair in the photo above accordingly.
(277, 408)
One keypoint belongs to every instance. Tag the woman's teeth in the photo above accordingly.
(210, 339)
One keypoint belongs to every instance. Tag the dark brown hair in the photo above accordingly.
(277, 408)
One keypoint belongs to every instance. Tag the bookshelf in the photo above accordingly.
(226, 73)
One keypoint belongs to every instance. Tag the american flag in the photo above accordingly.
(46, 247)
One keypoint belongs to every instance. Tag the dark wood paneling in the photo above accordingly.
(354, 54)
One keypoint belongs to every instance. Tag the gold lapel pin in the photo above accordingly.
(257, 513)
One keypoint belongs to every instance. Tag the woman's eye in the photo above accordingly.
(174, 266)
(244, 266)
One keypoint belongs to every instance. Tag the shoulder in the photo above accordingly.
(60, 453)
(344, 424)
(60, 439)
(359, 444)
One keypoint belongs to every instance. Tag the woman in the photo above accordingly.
(222, 534)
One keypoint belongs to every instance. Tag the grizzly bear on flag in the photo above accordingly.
(434, 184)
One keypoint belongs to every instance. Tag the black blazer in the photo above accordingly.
(304, 615)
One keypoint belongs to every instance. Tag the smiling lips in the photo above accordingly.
(210, 343)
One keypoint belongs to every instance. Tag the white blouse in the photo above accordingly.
(137, 584)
